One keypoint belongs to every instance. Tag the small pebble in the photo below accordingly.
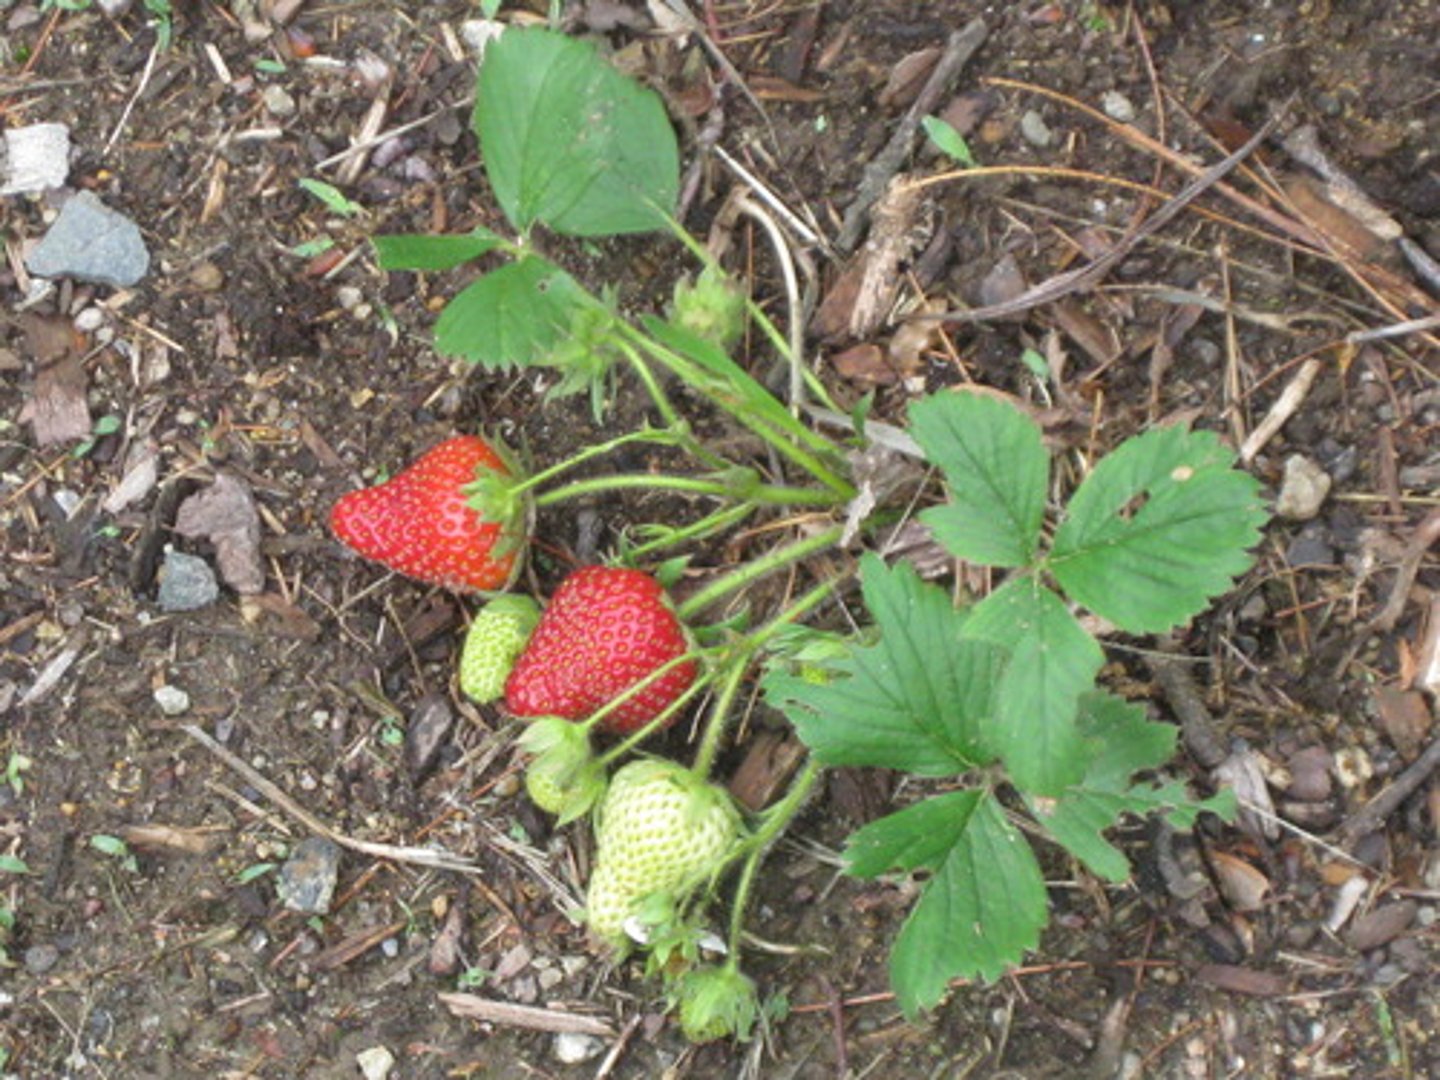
(348, 296)
(187, 583)
(1311, 547)
(1303, 490)
(41, 958)
(572, 1048)
(172, 700)
(375, 1063)
(89, 320)
(1117, 106)
(1035, 130)
(278, 101)
(307, 880)
(207, 277)
(1310, 774)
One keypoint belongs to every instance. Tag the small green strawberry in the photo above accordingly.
(563, 778)
(660, 829)
(496, 637)
(716, 1003)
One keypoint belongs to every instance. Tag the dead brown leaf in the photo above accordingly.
(225, 514)
(1405, 719)
(58, 411)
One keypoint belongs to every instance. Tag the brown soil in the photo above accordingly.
(237, 355)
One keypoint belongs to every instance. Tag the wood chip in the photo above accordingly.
(1240, 980)
(474, 1007)
(769, 763)
(1243, 886)
(1381, 926)
(196, 840)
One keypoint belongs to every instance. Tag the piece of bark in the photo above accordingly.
(768, 766)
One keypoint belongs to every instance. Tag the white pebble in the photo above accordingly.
(571, 1048)
(1117, 106)
(375, 1063)
(172, 700)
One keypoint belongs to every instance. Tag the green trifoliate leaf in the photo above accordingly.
(571, 143)
(983, 906)
(996, 469)
(917, 699)
(1126, 743)
(513, 316)
(1052, 662)
(1158, 528)
(406, 252)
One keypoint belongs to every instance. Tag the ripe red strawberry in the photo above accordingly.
(422, 522)
(604, 630)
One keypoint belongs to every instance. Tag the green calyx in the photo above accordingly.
(716, 1003)
(712, 307)
(564, 777)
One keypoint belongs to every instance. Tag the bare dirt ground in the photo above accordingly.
(1306, 948)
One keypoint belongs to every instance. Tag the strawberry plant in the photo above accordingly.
(994, 704)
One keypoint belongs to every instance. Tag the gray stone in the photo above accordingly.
(1035, 130)
(41, 958)
(187, 583)
(34, 158)
(1303, 490)
(1311, 547)
(375, 1063)
(1117, 106)
(172, 700)
(91, 242)
(278, 101)
(307, 880)
(115, 8)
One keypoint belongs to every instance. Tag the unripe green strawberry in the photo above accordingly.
(496, 637)
(660, 829)
(717, 1003)
(563, 778)
(713, 308)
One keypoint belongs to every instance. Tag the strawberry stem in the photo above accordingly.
(807, 444)
(753, 850)
(612, 705)
(734, 668)
(671, 436)
(744, 488)
(707, 526)
(748, 573)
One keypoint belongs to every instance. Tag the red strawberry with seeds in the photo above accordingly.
(423, 521)
(604, 630)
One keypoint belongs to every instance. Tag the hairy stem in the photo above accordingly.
(775, 821)
(748, 573)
